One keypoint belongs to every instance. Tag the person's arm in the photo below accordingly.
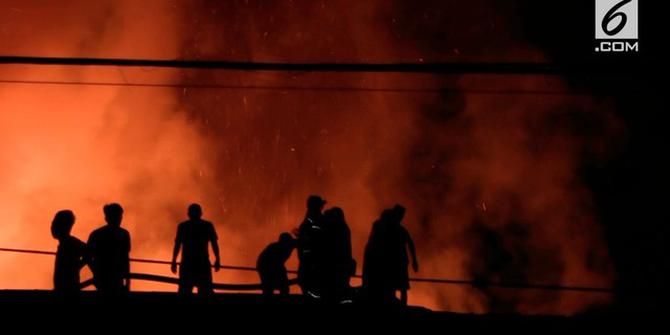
(127, 262)
(347, 239)
(215, 247)
(412, 251)
(88, 254)
(83, 248)
(175, 252)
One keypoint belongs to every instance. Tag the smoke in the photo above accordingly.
(80, 147)
(443, 155)
(512, 197)
(252, 156)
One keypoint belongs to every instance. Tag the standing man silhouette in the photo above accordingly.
(309, 240)
(195, 269)
(109, 250)
(400, 240)
(338, 264)
(386, 260)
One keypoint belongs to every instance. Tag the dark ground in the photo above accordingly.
(224, 313)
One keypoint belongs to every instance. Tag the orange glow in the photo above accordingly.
(251, 157)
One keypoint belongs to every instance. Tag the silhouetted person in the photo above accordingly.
(336, 265)
(195, 270)
(70, 254)
(399, 242)
(375, 279)
(109, 249)
(309, 235)
(271, 265)
(386, 261)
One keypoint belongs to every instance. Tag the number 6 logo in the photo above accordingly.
(613, 14)
(616, 19)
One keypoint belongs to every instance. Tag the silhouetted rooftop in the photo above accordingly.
(294, 311)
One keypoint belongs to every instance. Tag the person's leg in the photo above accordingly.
(185, 289)
(185, 285)
(123, 289)
(403, 297)
(268, 289)
(105, 286)
(302, 279)
(282, 284)
(267, 285)
(206, 286)
(99, 286)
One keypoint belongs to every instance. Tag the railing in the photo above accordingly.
(257, 286)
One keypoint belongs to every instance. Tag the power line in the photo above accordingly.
(474, 283)
(528, 68)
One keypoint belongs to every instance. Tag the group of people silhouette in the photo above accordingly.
(322, 240)
(106, 253)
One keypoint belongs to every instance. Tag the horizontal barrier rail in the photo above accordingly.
(245, 287)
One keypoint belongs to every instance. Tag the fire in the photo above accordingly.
(251, 157)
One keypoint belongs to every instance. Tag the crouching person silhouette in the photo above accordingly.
(195, 269)
(271, 268)
(70, 254)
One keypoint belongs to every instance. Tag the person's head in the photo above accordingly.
(315, 204)
(113, 214)
(194, 212)
(398, 213)
(387, 215)
(382, 224)
(334, 215)
(61, 226)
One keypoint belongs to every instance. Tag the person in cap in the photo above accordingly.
(309, 233)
